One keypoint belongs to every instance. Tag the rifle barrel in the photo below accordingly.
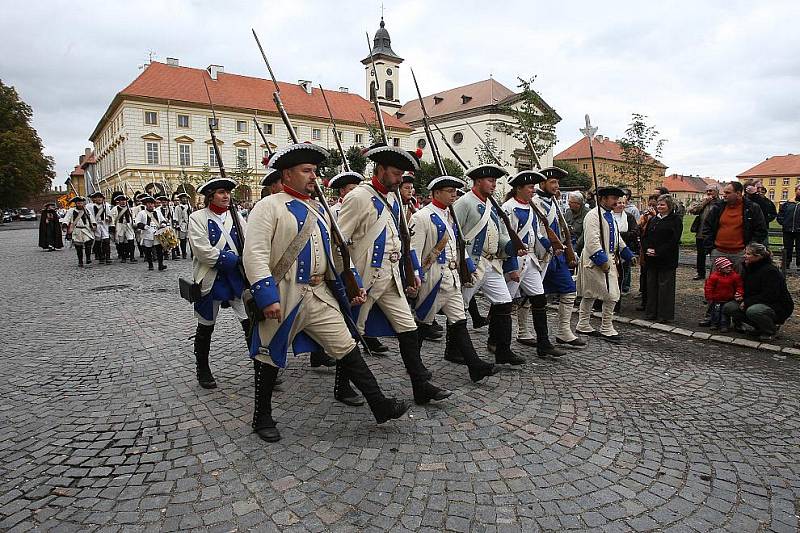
(345, 163)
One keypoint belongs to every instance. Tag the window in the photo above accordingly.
(183, 121)
(772, 181)
(212, 157)
(458, 137)
(771, 195)
(359, 138)
(241, 126)
(151, 118)
(396, 141)
(152, 153)
(341, 135)
(585, 166)
(421, 144)
(266, 128)
(786, 181)
(241, 157)
(316, 134)
(389, 90)
(213, 123)
(784, 195)
(185, 155)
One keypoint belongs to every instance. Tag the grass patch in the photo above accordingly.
(687, 238)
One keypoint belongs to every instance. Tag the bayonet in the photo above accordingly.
(590, 132)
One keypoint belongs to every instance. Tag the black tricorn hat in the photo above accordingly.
(162, 198)
(97, 194)
(554, 173)
(344, 178)
(446, 181)
(297, 154)
(216, 183)
(609, 191)
(526, 177)
(486, 171)
(408, 177)
(77, 199)
(393, 156)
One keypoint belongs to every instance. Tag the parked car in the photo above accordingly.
(7, 216)
(15, 213)
(27, 214)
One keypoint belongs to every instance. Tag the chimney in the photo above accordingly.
(344, 90)
(172, 61)
(213, 70)
(306, 85)
(87, 152)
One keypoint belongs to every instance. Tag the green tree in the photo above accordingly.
(243, 175)
(576, 178)
(331, 166)
(428, 171)
(487, 151)
(533, 117)
(358, 163)
(24, 170)
(640, 151)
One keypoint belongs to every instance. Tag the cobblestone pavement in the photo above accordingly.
(103, 427)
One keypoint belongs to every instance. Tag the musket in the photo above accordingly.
(232, 204)
(512, 233)
(589, 132)
(464, 275)
(348, 277)
(406, 262)
(345, 163)
(569, 250)
(263, 137)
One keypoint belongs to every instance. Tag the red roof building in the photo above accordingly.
(780, 174)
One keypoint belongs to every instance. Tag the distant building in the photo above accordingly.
(687, 189)
(780, 174)
(608, 158)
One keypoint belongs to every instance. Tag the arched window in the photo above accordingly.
(389, 90)
(371, 90)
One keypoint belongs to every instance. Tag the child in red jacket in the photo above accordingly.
(722, 286)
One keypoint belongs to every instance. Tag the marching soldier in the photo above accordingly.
(488, 244)
(216, 266)
(343, 183)
(122, 223)
(558, 277)
(181, 214)
(288, 259)
(101, 212)
(434, 239)
(603, 249)
(168, 214)
(369, 219)
(407, 195)
(148, 221)
(80, 225)
(526, 280)
(137, 208)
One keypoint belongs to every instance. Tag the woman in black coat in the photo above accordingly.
(661, 244)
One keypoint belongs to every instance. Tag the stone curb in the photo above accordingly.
(722, 339)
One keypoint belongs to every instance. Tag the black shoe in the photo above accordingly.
(613, 339)
(528, 342)
(429, 334)
(425, 392)
(550, 351)
(269, 434)
(593, 333)
(376, 347)
(481, 371)
(149, 267)
(577, 342)
(162, 267)
(343, 392)
(505, 356)
(320, 358)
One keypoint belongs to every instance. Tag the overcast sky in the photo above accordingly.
(720, 80)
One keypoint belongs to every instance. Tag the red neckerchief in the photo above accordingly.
(481, 197)
(297, 194)
(520, 202)
(379, 186)
(216, 209)
(438, 204)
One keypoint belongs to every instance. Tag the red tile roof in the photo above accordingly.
(88, 160)
(472, 96)
(184, 84)
(777, 165)
(78, 171)
(604, 148)
(694, 184)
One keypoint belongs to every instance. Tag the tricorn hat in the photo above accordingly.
(609, 191)
(526, 177)
(77, 199)
(344, 178)
(392, 156)
(147, 199)
(297, 154)
(486, 171)
(216, 183)
(119, 196)
(408, 177)
(162, 198)
(97, 194)
(554, 173)
(445, 181)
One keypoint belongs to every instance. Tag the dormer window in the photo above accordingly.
(437, 100)
(465, 99)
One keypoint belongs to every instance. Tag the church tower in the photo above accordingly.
(388, 66)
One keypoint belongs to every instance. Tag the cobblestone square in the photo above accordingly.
(104, 428)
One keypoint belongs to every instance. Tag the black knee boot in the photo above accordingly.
(248, 332)
(148, 255)
(478, 321)
(263, 424)
(357, 371)
(87, 249)
(160, 257)
(97, 250)
(107, 250)
(183, 248)
(342, 391)
(131, 247)
(79, 250)
(500, 325)
(141, 249)
(544, 347)
(460, 344)
(121, 255)
(202, 345)
(424, 390)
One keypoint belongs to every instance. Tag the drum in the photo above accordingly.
(167, 238)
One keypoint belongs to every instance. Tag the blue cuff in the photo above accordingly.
(546, 243)
(357, 276)
(599, 257)
(227, 261)
(265, 292)
(415, 262)
(471, 265)
(626, 254)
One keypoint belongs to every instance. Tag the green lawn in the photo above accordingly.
(687, 239)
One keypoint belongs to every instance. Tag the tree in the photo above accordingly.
(532, 117)
(331, 166)
(576, 178)
(487, 151)
(242, 175)
(358, 163)
(24, 170)
(640, 151)
(428, 171)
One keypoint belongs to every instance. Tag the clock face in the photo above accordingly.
(388, 72)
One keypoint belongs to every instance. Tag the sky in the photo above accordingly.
(719, 80)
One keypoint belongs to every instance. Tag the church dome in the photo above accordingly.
(382, 43)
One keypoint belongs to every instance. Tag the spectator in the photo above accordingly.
(789, 219)
(732, 224)
(722, 286)
(574, 218)
(629, 232)
(661, 244)
(766, 302)
(647, 214)
(766, 205)
(630, 207)
(701, 210)
(658, 191)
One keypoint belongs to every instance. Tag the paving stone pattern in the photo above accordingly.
(103, 427)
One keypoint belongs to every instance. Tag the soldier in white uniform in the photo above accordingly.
(181, 220)
(138, 207)
(369, 218)
(288, 260)
(488, 244)
(434, 239)
(80, 225)
(101, 212)
(167, 211)
(216, 266)
(122, 227)
(148, 221)
(603, 250)
(526, 281)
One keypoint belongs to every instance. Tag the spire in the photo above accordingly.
(382, 44)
